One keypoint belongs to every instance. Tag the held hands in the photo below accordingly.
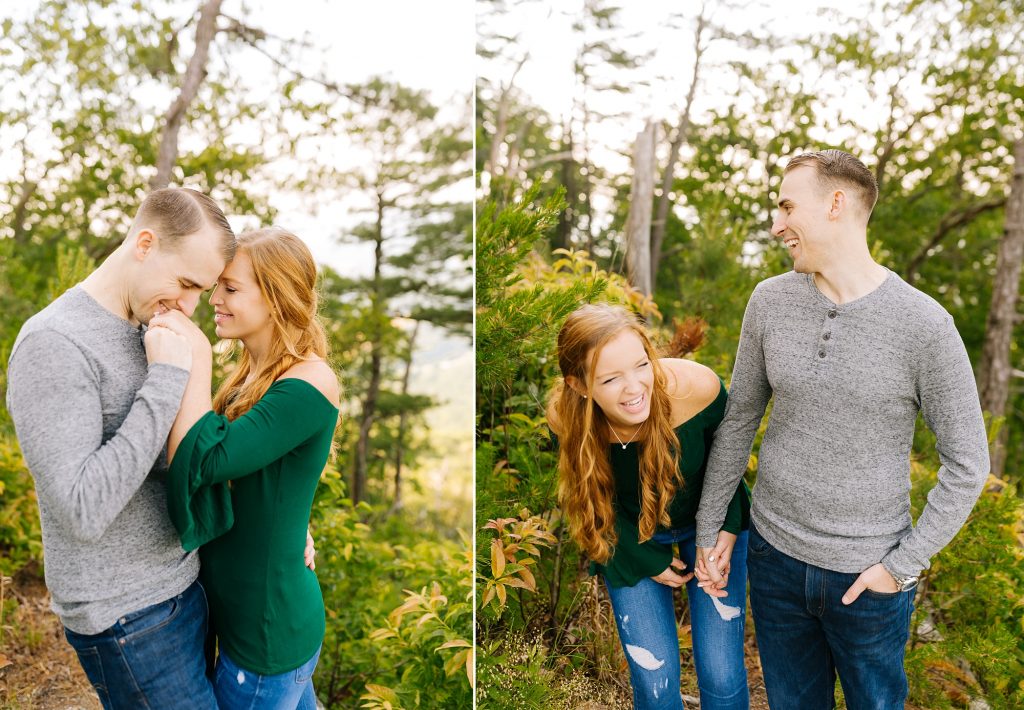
(714, 563)
(876, 578)
(165, 347)
(674, 576)
(183, 326)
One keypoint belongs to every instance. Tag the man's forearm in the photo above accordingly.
(85, 480)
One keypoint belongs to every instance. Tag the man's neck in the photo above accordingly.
(848, 278)
(107, 287)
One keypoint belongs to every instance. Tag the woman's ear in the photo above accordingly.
(577, 386)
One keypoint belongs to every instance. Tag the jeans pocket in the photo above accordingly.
(757, 545)
(152, 618)
(304, 673)
(882, 595)
(92, 664)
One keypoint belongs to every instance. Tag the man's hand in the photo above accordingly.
(876, 578)
(674, 576)
(714, 563)
(166, 347)
(186, 328)
(310, 554)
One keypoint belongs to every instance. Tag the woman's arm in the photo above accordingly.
(197, 400)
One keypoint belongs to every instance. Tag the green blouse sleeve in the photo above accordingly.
(633, 560)
(216, 450)
(737, 516)
(286, 416)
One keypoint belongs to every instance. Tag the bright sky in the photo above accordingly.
(544, 29)
(665, 28)
(430, 48)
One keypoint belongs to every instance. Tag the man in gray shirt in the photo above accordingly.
(849, 353)
(93, 399)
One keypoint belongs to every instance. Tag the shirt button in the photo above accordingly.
(826, 336)
(123, 620)
(821, 353)
(832, 314)
(121, 641)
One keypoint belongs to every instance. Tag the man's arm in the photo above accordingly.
(949, 403)
(55, 403)
(748, 398)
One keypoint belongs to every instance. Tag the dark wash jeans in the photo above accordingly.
(151, 658)
(806, 635)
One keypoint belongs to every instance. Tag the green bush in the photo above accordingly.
(973, 596)
(399, 614)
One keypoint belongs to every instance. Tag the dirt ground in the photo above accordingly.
(38, 669)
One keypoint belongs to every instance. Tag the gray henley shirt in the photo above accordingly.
(833, 479)
(92, 419)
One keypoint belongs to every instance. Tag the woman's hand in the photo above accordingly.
(310, 554)
(164, 346)
(181, 324)
(674, 576)
(713, 565)
(196, 401)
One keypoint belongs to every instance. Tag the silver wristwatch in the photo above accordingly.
(904, 583)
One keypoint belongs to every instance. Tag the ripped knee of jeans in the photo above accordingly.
(728, 613)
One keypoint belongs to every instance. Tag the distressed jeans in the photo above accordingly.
(806, 635)
(240, 689)
(646, 620)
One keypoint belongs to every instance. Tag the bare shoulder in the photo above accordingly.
(319, 374)
(691, 387)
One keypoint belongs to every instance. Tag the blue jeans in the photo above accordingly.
(151, 658)
(239, 689)
(646, 619)
(806, 635)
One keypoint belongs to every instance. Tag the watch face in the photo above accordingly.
(907, 583)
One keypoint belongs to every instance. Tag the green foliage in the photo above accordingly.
(20, 535)
(513, 551)
(386, 643)
(973, 639)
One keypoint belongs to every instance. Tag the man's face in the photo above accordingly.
(174, 278)
(801, 219)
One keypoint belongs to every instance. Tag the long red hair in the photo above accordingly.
(586, 485)
(286, 275)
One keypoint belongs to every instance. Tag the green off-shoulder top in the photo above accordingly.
(631, 560)
(265, 604)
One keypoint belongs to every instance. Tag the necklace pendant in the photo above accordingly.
(624, 446)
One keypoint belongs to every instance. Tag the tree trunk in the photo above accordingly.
(682, 134)
(194, 75)
(566, 217)
(995, 369)
(369, 413)
(641, 200)
(501, 122)
(402, 420)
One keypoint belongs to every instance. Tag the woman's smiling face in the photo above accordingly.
(623, 380)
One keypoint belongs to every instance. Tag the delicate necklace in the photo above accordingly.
(614, 433)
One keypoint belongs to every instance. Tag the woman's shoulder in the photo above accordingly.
(692, 387)
(317, 373)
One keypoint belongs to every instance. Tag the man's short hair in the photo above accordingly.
(176, 212)
(837, 168)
